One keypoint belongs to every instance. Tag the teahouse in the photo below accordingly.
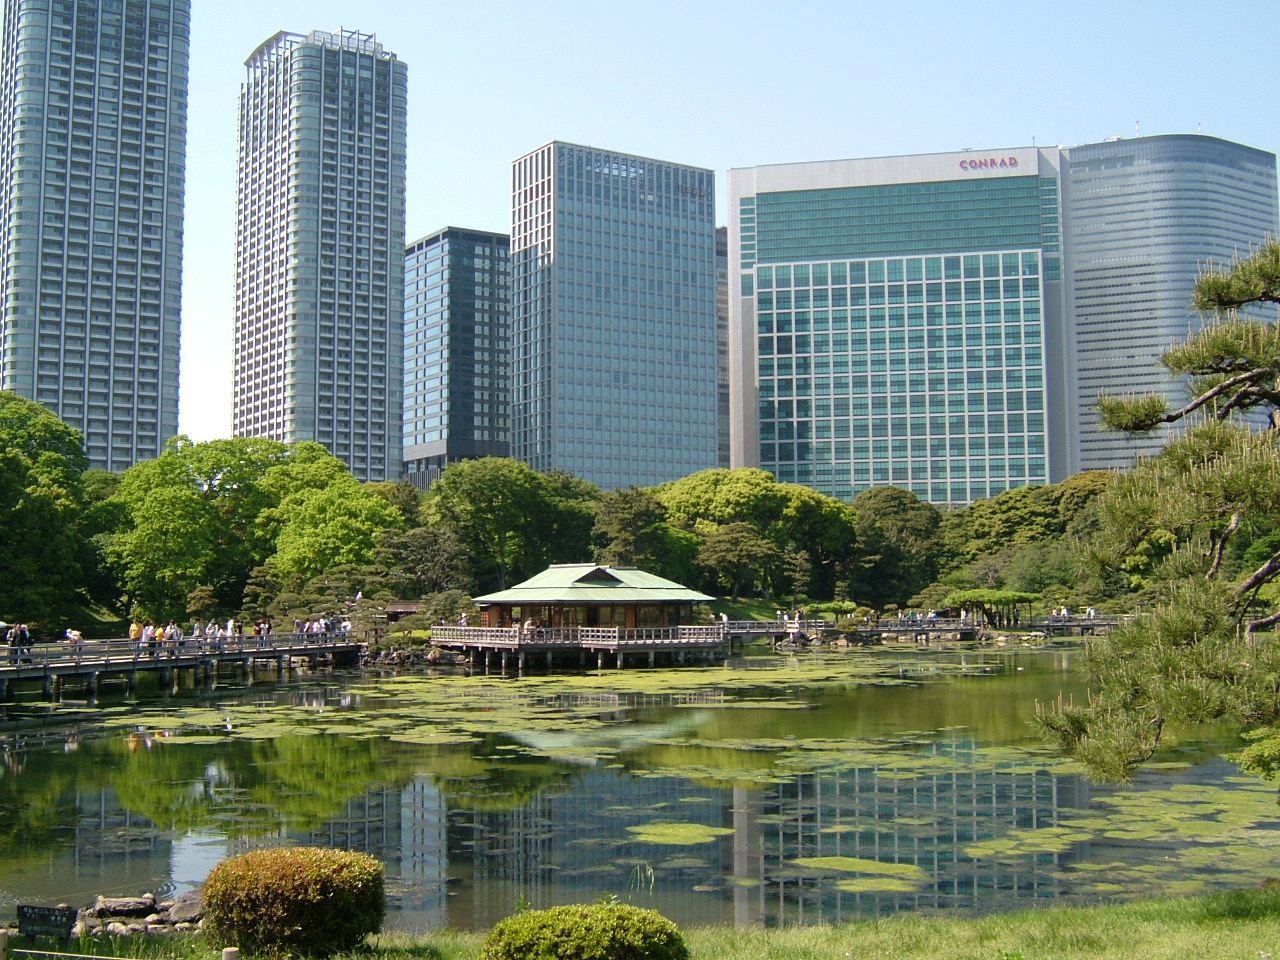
(590, 595)
(571, 609)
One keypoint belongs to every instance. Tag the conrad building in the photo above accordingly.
(613, 315)
(93, 118)
(946, 322)
(319, 304)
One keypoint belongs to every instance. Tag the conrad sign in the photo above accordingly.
(989, 163)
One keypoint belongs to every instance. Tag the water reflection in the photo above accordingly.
(796, 802)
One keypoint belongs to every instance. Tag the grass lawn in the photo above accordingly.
(1241, 925)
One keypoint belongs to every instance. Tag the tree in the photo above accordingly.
(325, 528)
(1201, 654)
(628, 528)
(193, 517)
(42, 463)
(793, 519)
(422, 561)
(738, 555)
(898, 545)
(514, 519)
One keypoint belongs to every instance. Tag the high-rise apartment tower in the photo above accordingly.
(93, 118)
(319, 309)
(457, 349)
(613, 315)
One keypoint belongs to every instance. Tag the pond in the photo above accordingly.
(772, 790)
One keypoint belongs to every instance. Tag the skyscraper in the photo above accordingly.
(613, 315)
(319, 340)
(457, 350)
(892, 319)
(1142, 218)
(93, 116)
(945, 322)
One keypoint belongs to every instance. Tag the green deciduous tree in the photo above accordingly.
(42, 463)
(514, 519)
(898, 545)
(738, 555)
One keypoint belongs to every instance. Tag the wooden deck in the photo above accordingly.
(53, 665)
(501, 647)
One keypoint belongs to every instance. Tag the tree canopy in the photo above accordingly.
(1182, 523)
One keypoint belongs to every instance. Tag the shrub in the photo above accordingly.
(311, 901)
(594, 931)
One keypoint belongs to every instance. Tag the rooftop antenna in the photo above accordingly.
(1137, 128)
(1198, 130)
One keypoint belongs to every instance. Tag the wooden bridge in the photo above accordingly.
(90, 662)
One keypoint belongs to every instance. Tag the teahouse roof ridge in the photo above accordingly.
(591, 582)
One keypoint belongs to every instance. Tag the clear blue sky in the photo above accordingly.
(718, 85)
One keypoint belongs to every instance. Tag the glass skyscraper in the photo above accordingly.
(893, 322)
(946, 322)
(613, 315)
(457, 348)
(1142, 217)
(93, 117)
(319, 309)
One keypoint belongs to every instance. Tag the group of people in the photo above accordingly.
(18, 639)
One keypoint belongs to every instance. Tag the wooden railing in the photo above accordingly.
(576, 636)
(115, 653)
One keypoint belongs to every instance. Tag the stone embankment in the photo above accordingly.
(124, 916)
(419, 656)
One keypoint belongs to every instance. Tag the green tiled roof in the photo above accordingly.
(592, 583)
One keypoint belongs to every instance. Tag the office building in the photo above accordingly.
(891, 319)
(1142, 217)
(946, 322)
(722, 347)
(93, 117)
(319, 306)
(457, 347)
(613, 316)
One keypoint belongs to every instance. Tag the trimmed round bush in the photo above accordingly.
(309, 901)
(587, 931)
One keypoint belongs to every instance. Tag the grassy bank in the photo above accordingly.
(1242, 925)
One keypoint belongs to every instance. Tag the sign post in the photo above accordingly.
(36, 921)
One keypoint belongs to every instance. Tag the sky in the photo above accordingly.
(718, 85)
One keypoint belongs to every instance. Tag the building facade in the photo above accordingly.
(93, 117)
(722, 347)
(1142, 217)
(613, 315)
(319, 304)
(457, 348)
(893, 322)
(946, 322)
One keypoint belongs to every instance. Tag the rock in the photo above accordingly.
(124, 906)
(151, 918)
(79, 929)
(187, 908)
(159, 928)
(184, 927)
(136, 927)
(117, 929)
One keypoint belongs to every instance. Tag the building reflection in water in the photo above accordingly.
(466, 866)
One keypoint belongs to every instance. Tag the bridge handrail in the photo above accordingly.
(118, 651)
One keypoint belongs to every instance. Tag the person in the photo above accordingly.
(74, 637)
(11, 638)
(135, 632)
(462, 619)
